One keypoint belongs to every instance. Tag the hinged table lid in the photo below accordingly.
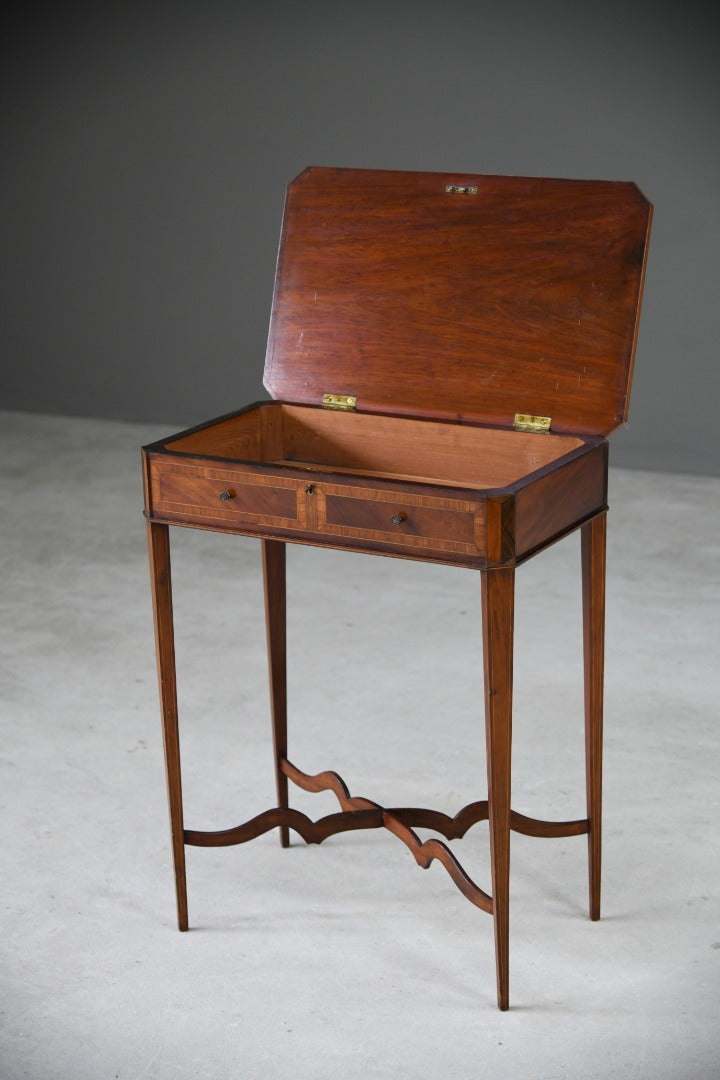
(459, 297)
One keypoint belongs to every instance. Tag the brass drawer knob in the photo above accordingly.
(225, 496)
(397, 519)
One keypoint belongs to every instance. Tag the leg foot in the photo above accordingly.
(593, 585)
(498, 615)
(159, 552)
(275, 620)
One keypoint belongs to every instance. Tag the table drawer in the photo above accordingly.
(357, 516)
(404, 521)
(203, 495)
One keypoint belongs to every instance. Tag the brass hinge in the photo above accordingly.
(343, 402)
(525, 422)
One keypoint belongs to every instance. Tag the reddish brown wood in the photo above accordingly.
(558, 498)
(425, 451)
(312, 832)
(369, 512)
(531, 826)
(593, 590)
(429, 850)
(522, 297)
(430, 451)
(446, 312)
(498, 601)
(424, 852)
(160, 579)
(273, 553)
(373, 816)
(452, 828)
(218, 494)
(327, 780)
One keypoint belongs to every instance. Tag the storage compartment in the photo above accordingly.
(424, 451)
(222, 494)
(439, 309)
(449, 492)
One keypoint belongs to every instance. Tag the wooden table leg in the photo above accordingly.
(498, 598)
(275, 620)
(593, 587)
(159, 551)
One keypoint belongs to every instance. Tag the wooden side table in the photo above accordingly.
(447, 354)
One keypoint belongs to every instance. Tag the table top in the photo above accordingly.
(460, 297)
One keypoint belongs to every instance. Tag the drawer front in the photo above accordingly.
(228, 497)
(406, 522)
(360, 517)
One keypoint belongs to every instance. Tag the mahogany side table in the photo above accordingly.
(446, 355)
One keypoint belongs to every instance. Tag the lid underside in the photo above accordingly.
(460, 297)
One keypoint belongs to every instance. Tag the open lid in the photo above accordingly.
(459, 297)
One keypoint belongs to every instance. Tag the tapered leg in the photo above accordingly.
(275, 621)
(159, 551)
(593, 586)
(498, 598)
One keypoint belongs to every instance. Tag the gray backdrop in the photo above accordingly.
(146, 149)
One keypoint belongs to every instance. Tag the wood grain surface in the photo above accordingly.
(521, 297)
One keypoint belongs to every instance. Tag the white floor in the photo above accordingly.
(344, 960)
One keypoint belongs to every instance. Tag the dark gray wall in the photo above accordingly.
(146, 149)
